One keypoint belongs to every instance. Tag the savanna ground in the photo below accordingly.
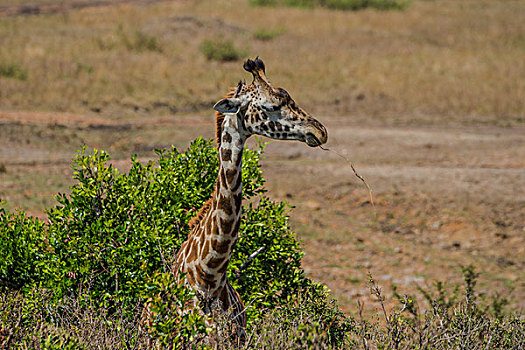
(428, 103)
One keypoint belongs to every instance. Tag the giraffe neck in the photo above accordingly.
(211, 242)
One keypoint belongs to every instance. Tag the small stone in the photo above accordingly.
(436, 225)
(313, 205)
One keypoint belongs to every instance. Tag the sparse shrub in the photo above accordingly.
(293, 3)
(3, 168)
(309, 320)
(13, 71)
(338, 4)
(23, 323)
(175, 323)
(361, 4)
(136, 41)
(267, 34)
(221, 50)
(34, 319)
(455, 320)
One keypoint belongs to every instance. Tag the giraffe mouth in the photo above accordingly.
(312, 140)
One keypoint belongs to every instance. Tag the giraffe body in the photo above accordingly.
(260, 109)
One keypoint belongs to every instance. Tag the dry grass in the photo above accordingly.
(436, 62)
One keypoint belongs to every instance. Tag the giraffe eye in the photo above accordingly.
(273, 112)
(269, 109)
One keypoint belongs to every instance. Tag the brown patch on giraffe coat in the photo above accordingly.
(225, 299)
(221, 247)
(224, 267)
(191, 277)
(235, 187)
(222, 179)
(206, 248)
(226, 225)
(230, 175)
(209, 227)
(238, 161)
(236, 228)
(226, 205)
(226, 155)
(226, 137)
(238, 201)
(205, 278)
(192, 256)
(214, 262)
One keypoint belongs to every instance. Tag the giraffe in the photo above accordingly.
(257, 108)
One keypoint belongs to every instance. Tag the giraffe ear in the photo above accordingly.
(228, 105)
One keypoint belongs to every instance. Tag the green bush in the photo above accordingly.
(21, 249)
(115, 230)
(136, 41)
(268, 34)
(221, 50)
(13, 70)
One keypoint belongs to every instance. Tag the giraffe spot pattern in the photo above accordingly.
(225, 205)
(214, 262)
(237, 184)
(226, 138)
(202, 280)
(206, 248)
(238, 161)
(238, 201)
(226, 225)
(226, 155)
(190, 276)
(192, 256)
(222, 181)
(224, 267)
(221, 247)
(230, 175)
(236, 228)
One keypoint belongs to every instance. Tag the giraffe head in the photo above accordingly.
(271, 112)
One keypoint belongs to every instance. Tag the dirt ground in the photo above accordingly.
(443, 152)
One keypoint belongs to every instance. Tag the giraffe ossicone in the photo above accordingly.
(256, 108)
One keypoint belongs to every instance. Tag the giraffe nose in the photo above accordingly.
(312, 140)
(316, 135)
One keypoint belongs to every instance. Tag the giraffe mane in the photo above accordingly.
(219, 119)
(200, 215)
